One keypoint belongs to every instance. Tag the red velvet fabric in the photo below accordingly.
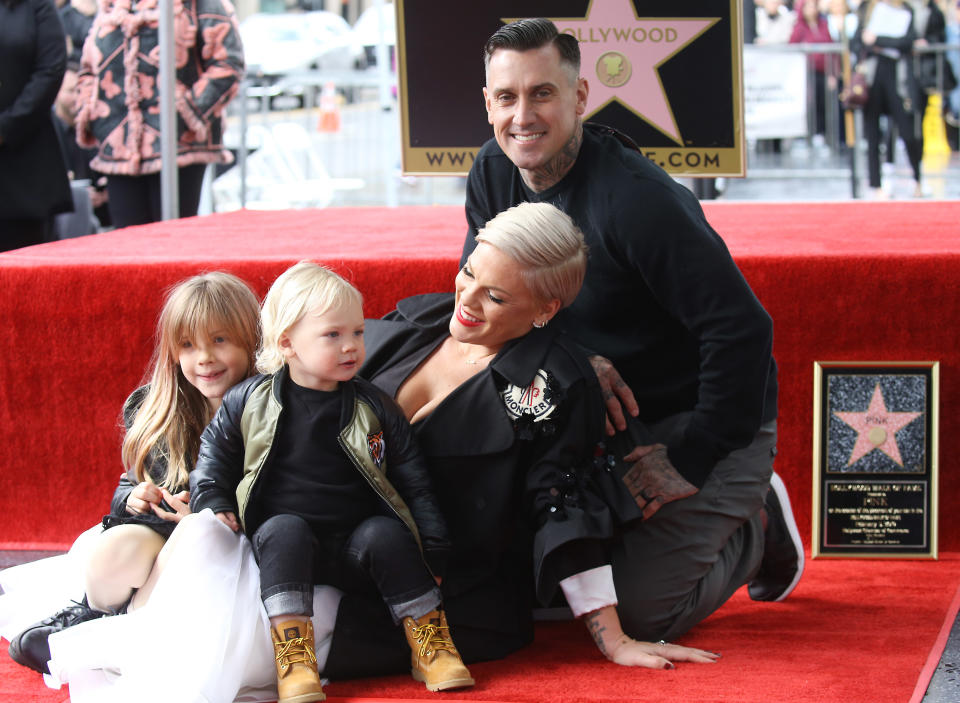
(843, 281)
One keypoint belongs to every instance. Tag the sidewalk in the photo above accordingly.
(807, 172)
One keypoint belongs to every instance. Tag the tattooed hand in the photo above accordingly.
(616, 394)
(653, 481)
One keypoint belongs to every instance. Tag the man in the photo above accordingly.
(678, 338)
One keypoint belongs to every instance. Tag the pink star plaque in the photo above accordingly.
(877, 428)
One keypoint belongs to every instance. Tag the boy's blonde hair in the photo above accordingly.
(304, 287)
(546, 243)
(174, 413)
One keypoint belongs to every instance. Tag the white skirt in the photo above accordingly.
(203, 637)
(34, 591)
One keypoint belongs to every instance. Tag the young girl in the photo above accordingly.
(207, 336)
(321, 472)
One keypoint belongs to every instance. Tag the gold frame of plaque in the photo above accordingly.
(875, 439)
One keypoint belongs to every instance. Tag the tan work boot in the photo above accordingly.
(297, 677)
(433, 657)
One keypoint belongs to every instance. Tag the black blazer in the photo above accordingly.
(512, 488)
(33, 55)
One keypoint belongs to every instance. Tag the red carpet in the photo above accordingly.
(843, 281)
(853, 631)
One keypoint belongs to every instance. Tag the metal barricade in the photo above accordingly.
(308, 157)
(826, 161)
(319, 138)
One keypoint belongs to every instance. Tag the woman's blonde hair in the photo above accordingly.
(174, 413)
(303, 287)
(546, 243)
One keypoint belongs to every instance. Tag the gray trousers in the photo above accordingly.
(676, 568)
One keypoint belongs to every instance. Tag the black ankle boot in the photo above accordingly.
(31, 649)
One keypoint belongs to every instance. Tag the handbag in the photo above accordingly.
(856, 94)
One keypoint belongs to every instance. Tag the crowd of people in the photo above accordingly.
(299, 485)
(82, 75)
(889, 42)
(79, 103)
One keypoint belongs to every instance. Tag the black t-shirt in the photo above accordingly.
(310, 474)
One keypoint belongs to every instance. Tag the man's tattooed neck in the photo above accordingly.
(553, 171)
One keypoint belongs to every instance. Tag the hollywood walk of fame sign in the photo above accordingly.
(875, 459)
(666, 74)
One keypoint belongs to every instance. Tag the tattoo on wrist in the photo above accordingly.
(596, 631)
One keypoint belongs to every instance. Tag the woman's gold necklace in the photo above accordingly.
(478, 359)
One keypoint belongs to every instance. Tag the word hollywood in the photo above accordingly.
(622, 34)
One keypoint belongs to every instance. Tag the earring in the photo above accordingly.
(540, 325)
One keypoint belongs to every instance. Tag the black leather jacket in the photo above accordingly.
(235, 457)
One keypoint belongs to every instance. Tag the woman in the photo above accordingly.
(507, 412)
(119, 101)
(519, 474)
(33, 178)
(840, 20)
(883, 42)
(842, 23)
(812, 28)
(774, 22)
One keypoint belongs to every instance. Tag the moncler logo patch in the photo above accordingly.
(531, 400)
(376, 446)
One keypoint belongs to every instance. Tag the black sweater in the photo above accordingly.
(662, 299)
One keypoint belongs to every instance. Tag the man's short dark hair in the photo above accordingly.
(533, 33)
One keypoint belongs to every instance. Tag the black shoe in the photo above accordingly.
(782, 562)
(30, 647)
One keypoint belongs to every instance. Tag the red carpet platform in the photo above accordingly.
(853, 631)
(843, 281)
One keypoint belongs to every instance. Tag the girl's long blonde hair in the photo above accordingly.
(174, 413)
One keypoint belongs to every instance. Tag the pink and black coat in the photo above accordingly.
(119, 104)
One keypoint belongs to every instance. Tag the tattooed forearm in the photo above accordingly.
(596, 631)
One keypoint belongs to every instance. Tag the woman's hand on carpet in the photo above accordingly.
(653, 655)
(617, 646)
(180, 503)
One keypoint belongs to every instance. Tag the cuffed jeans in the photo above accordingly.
(380, 555)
